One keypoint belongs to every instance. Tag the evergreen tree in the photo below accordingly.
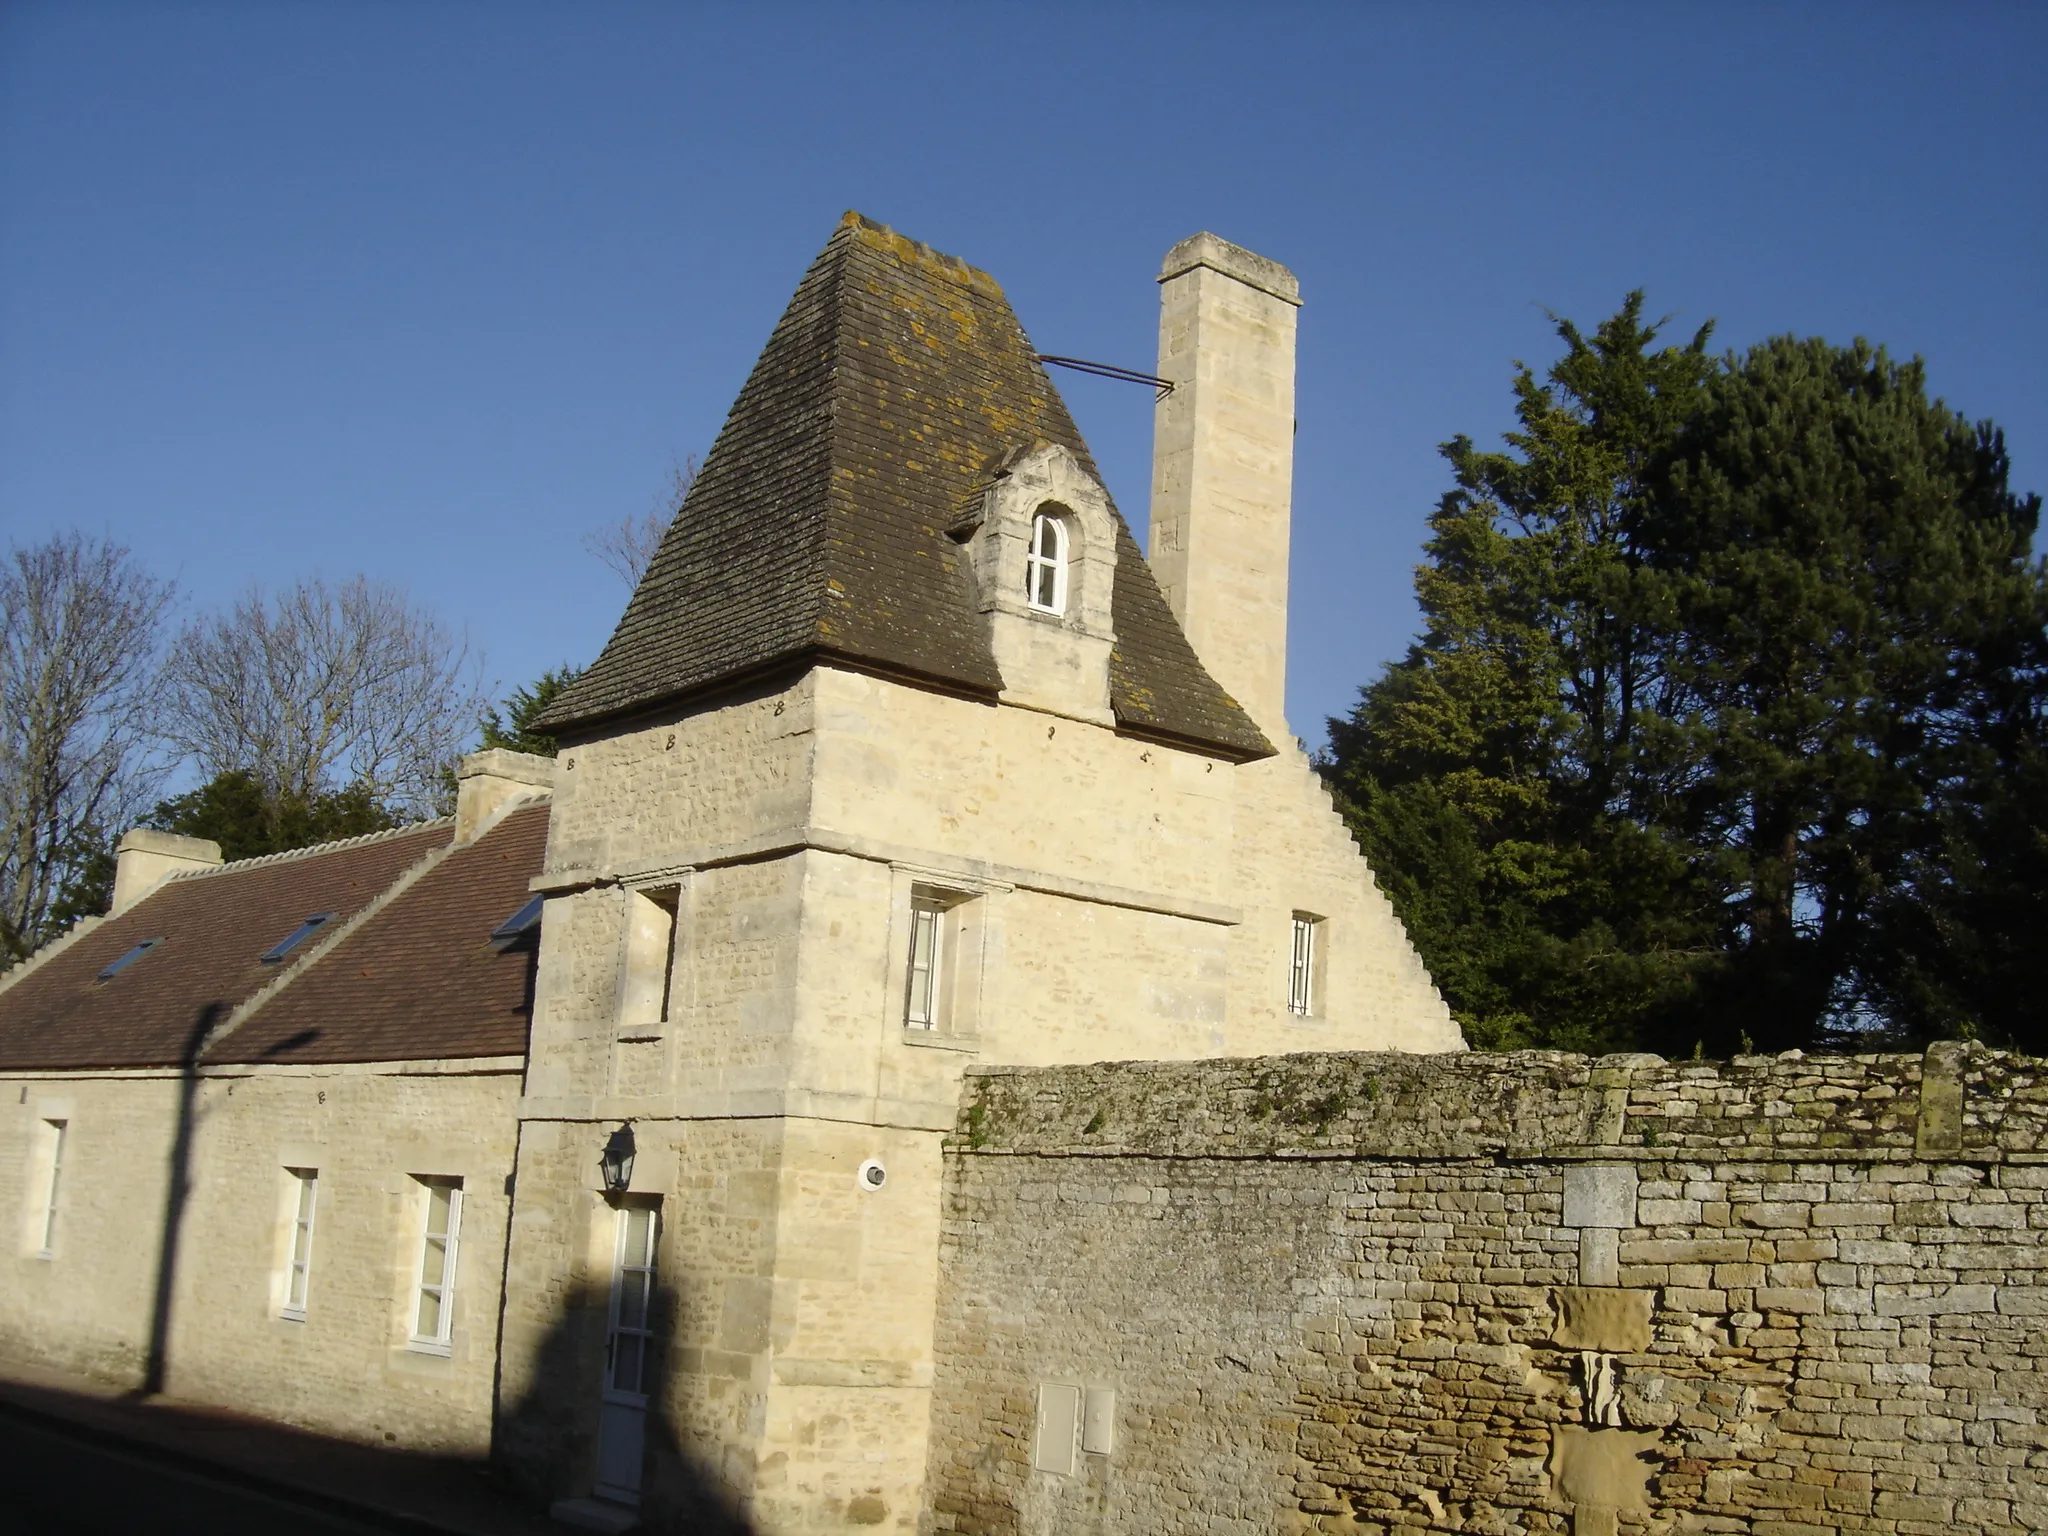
(1849, 612)
(234, 810)
(1726, 722)
(1491, 774)
(513, 730)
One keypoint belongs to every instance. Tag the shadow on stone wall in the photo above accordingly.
(546, 1442)
(177, 1192)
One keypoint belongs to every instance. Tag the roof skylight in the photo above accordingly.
(296, 937)
(129, 959)
(519, 924)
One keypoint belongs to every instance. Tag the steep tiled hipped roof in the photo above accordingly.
(420, 979)
(214, 928)
(895, 384)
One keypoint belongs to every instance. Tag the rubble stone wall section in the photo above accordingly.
(1524, 1293)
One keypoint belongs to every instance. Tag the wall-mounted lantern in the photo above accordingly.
(617, 1162)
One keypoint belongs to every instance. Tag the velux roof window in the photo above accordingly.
(296, 937)
(129, 959)
(520, 925)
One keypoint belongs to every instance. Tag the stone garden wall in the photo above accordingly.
(1497, 1294)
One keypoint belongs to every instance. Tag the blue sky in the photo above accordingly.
(430, 290)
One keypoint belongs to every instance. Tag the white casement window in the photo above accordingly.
(924, 1003)
(1301, 972)
(433, 1319)
(1045, 564)
(937, 936)
(53, 1143)
(298, 1273)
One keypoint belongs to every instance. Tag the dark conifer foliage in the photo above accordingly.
(513, 730)
(233, 809)
(1726, 725)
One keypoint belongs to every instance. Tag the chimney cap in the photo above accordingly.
(197, 850)
(502, 763)
(1248, 267)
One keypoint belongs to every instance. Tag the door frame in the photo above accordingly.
(612, 1400)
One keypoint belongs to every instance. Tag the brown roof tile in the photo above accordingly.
(420, 979)
(215, 927)
(895, 383)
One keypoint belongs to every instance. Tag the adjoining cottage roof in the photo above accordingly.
(420, 979)
(215, 927)
(896, 383)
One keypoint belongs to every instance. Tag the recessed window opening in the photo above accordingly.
(1045, 563)
(1301, 978)
(520, 925)
(433, 1323)
(299, 1261)
(296, 937)
(53, 1132)
(927, 961)
(648, 966)
(128, 959)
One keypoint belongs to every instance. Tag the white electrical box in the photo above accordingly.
(1059, 1428)
(1098, 1421)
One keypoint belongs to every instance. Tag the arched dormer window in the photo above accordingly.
(1042, 552)
(1045, 562)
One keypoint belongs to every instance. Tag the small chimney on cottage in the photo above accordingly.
(1223, 464)
(486, 782)
(143, 858)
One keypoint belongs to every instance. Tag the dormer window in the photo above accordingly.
(1045, 563)
(1042, 551)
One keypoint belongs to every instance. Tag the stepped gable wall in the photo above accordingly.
(1521, 1293)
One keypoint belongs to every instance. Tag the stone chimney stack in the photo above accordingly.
(488, 780)
(1223, 465)
(143, 857)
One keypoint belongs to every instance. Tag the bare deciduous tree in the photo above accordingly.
(629, 544)
(323, 686)
(79, 625)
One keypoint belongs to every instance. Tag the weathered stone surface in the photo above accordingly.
(1604, 1468)
(1344, 1303)
(1614, 1321)
(1600, 1195)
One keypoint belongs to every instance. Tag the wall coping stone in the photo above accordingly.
(1992, 1107)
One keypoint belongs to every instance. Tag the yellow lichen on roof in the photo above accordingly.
(917, 254)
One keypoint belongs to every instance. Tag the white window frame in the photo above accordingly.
(924, 999)
(55, 1132)
(628, 1268)
(298, 1252)
(442, 1340)
(1303, 963)
(964, 937)
(1044, 567)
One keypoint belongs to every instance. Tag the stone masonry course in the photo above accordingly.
(1523, 1293)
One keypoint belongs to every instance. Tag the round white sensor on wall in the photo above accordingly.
(872, 1175)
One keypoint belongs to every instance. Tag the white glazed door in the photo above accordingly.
(629, 1343)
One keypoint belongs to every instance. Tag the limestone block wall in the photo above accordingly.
(86, 1308)
(1502, 1294)
(1100, 893)
(1019, 789)
(707, 777)
(1292, 853)
(794, 1305)
(373, 1134)
(1227, 853)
